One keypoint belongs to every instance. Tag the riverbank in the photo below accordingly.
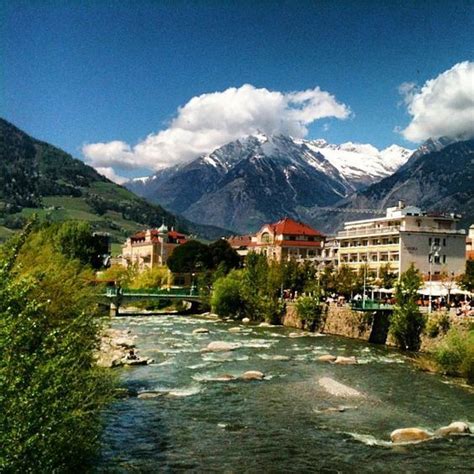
(374, 327)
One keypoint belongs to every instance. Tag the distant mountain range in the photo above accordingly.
(438, 177)
(36, 177)
(262, 178)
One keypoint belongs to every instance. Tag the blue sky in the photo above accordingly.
(76, 73)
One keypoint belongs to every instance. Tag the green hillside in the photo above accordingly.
(38, 178)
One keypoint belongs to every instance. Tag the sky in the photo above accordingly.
(132, 87)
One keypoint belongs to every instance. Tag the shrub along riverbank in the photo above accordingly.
(51, 391)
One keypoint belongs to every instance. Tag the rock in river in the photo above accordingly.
(457, 427)
(150, 394)
(409, 435)
(253, 375)
(234, 329)
(201, 331)
(327, 358)
(221, 346)
(246, 320)
(338, 389)
(345, 360)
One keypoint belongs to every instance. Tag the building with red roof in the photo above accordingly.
(152, 247)
(288, 239)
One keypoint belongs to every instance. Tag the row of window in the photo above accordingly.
(436, 241)
(437, 259)
(366, 242)
(363, 258)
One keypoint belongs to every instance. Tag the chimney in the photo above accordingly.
(401, 204)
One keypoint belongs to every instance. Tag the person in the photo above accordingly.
(131, 355)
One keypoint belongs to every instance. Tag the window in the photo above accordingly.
(444, 258)
(430, 240)
(437, 259)
(444, 242)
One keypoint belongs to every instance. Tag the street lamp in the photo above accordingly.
(434, 252)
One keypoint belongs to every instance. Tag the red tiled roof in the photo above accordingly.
(291, 227)
(240, 240)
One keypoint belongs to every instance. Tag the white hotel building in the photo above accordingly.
(405, 235)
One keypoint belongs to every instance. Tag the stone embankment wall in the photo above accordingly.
(365, 325)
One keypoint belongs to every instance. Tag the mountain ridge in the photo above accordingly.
(36, 177)
(260, 178)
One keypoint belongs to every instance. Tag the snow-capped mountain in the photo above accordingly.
(361, 164)
(260, 178)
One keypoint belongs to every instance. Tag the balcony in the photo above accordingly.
(368, 232)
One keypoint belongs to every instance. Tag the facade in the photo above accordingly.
(288, 239)
(151, 247)
(404, 236)
(329, 253)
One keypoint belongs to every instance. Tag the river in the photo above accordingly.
(281, 424)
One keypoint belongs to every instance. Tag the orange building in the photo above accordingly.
(151, 247)
(288, 239)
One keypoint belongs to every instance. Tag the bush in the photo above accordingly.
(52, 393)
(455, 355)
(309, 310)
(227, 298)
(438, 324)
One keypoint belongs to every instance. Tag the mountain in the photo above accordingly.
(261, 178)
(437, 178)
(36, 177)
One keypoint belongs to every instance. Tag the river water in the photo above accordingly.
(281, 424)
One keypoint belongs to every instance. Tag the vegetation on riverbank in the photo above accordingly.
(52, 392)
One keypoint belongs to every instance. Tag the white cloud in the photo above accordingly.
(444, 106)
(109, 172)
(211, 120)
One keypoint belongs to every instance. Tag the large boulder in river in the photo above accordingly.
(338, 389)
(409, 435)
(246, 320)
(345, 360)
(253, 375)
(221, 346)
(327, 358)
(457, 427)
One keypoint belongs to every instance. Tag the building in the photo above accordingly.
(470, 244)
(329, 253)
(404, 236)
(151, 247)
(288, 239)
(241, 244)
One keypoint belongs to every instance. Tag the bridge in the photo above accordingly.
(118, 295)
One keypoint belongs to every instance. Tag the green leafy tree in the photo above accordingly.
(466, 280)
(192, 256)
(52, 393)
(228, 298)
(223, 256)
(387, 277)
(406, 322)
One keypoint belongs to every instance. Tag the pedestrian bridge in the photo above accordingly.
(118, 296)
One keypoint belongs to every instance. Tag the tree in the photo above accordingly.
(52, 392)
(466, 281)
(406, 322)
(228, 297)
(387, 278)
(192, 256)
(223, 256)
(155, 277)
(76, 240)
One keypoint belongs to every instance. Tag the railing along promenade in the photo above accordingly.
(370, 305)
